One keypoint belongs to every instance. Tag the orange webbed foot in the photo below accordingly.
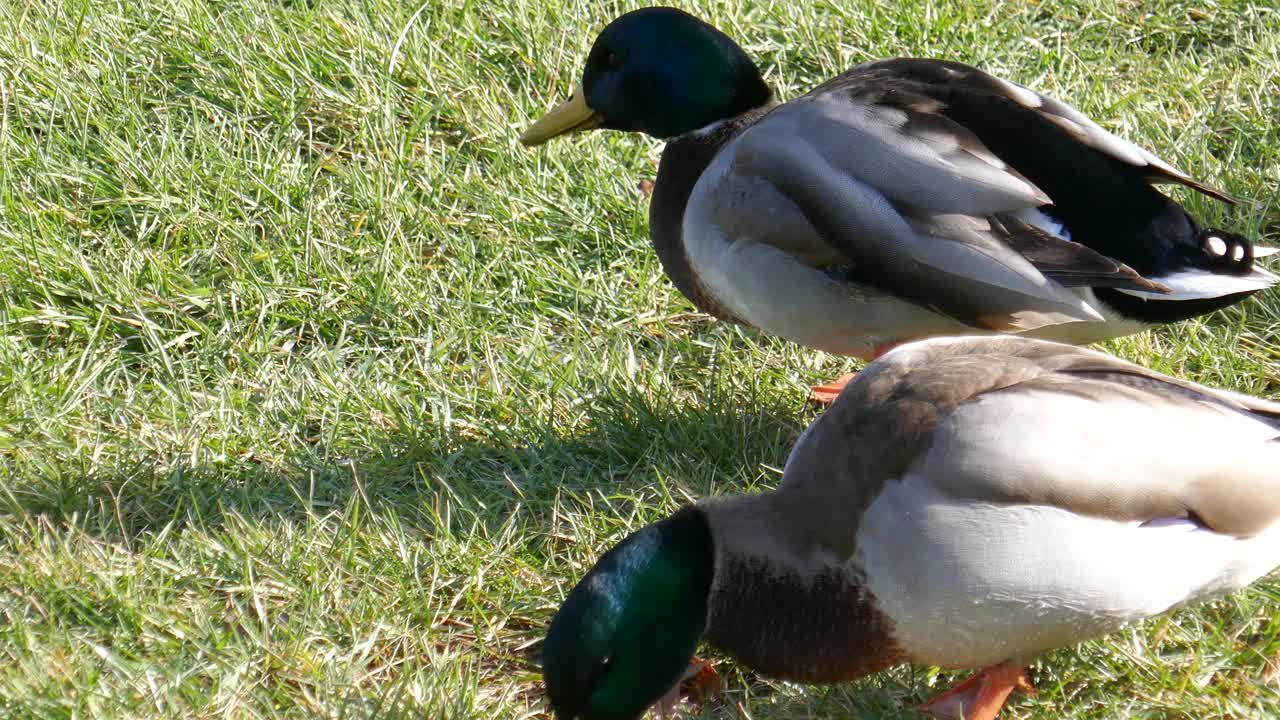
(981, 696)
(826, 393)
(700, 684)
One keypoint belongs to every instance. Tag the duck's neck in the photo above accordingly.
(683, 161)
(785, 604)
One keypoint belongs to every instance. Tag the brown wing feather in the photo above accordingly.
(1068, 263)
(926, 87)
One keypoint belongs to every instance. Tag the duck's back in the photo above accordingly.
(1100, 185)
(939, 140)
(1032, 495)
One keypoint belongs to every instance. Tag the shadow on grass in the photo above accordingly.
(891, 695)
(435, 480)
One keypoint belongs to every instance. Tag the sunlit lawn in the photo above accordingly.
(318, 392)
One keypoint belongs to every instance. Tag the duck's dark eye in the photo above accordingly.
(599, 671)
(612, 60)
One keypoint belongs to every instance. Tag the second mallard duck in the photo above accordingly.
(903, 199)
(966, 502)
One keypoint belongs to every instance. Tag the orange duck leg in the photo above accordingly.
(826, 393)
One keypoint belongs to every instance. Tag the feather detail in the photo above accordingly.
(1199, 284)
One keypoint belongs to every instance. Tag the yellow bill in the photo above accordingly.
(570, 116)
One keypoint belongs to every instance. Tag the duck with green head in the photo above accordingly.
(964, 503)
(905, 198)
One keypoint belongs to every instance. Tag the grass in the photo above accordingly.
(318, 392)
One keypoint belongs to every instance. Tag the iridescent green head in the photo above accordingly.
(659, 71)
(627, 631)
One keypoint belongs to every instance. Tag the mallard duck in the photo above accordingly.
(965, 503)
(903, 199)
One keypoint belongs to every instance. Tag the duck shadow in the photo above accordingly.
(892, 695)
(632, 443)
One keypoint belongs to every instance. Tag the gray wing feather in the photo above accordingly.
(1005, 419)
(925, 161)
(1099, 436)
(978, 281)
